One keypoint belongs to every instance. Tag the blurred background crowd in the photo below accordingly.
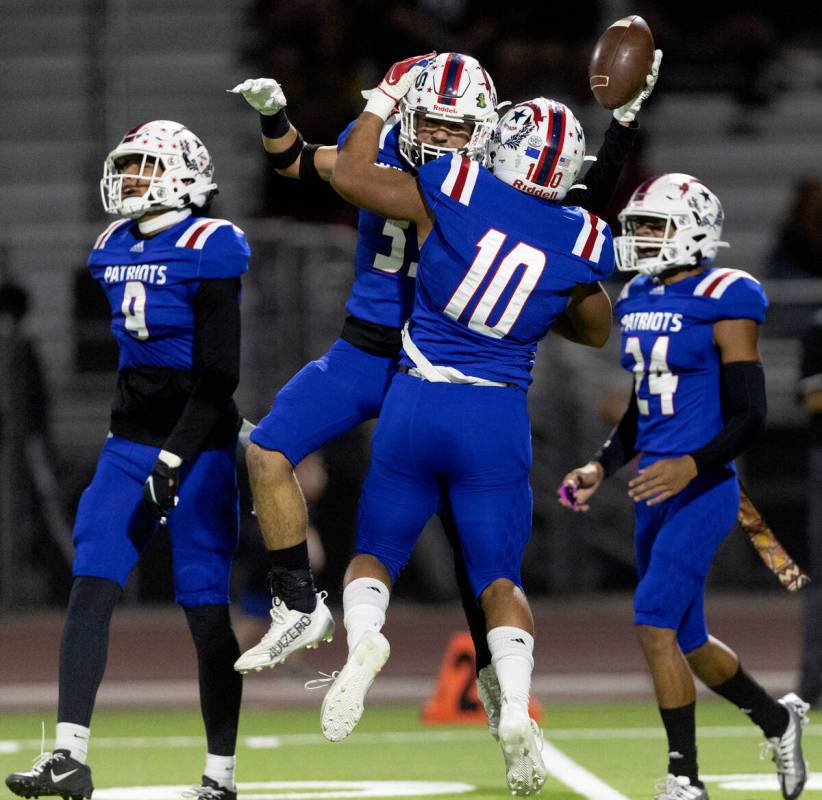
(739, 105)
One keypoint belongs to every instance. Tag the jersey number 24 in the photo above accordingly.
(661, 381)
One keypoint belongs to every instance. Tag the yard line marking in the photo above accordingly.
(184, 692)
(401, 737)
(576, 777)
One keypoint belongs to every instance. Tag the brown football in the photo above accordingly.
(622, 58)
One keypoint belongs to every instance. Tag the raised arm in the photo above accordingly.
(288, 152)
(389, 192)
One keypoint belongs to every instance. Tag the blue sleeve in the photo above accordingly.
(225, 254)
(743, 299)
(341, 139)
(603, 268)
(389, 152)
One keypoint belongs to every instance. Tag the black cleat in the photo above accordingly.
(210, 790)
(54, 774)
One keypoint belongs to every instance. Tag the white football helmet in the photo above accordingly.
(452, 87)
(690, 215)
(185, 170)
(538, 147)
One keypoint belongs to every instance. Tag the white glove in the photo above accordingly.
(262, 94)
(395, 85)
(628, 112)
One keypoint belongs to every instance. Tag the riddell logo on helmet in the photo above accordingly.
(445, 109)
(548, 195)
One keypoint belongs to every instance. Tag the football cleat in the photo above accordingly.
(290, 631)
(489, 694)
(210, 790)
(521, 741)
(53, 774)
(786, 750)
(343, 704)
(678, 787)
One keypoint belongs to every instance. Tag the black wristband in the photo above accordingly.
(745, 409)
(308, 169)
(620, 446)
(287, 157)
(274, 126)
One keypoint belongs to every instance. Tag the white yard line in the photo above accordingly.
(575, 777)
(275, 741)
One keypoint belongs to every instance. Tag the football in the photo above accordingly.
(621, 59)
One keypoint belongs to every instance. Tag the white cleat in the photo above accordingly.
(290, 631)
(521, 741)
(344, 702)
(490, 696)
(786, 750)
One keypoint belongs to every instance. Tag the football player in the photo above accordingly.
(172, 278)
(689, 338)
(348, 384)
(501, 263)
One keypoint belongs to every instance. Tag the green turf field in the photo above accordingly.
(607, 752)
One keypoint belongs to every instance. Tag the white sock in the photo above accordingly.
(73, 738)
(365, 601)
(512, 656)
(221, 770)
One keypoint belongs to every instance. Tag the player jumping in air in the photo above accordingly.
(689, 337)
(455, 419)
(173, 281)
(348, 384)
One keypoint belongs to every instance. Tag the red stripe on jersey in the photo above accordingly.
(192, 240)
(462, 175)
(719, 278)
(592, 237)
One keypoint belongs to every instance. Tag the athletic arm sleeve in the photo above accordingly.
(601, 179)
(620, 446)
(216, 368)
(745, 404)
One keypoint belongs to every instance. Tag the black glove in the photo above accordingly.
(161, 487)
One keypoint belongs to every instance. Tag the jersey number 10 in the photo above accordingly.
(489, 248)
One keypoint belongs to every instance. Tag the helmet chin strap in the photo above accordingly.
(166, 220)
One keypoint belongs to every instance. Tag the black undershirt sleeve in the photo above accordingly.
(216, 365)
(745, 407)
(601, 179)
(620, 446)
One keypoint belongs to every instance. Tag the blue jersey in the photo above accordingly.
(387, 251)
(667, 344)
(497, 269)
(150, 284)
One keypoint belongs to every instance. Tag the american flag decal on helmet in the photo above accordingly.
(591, 238)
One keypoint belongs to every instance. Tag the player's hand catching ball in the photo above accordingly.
(264, 95)
(662, 479)
(395, 85)
(579, 485)
(627, 113)
(161, 487)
